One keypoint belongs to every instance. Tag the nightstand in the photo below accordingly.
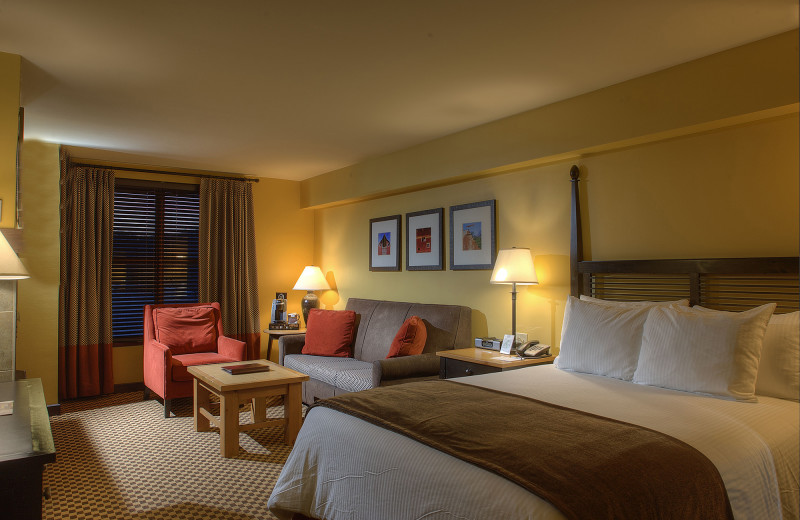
(473, 361)
(276, 334)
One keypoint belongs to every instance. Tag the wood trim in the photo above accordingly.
(576, 236)
(87, 163)
(758, 265)
(129, 387)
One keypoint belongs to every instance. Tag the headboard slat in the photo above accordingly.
(763, 281)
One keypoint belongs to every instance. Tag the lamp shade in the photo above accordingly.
(514, 266)
(10, 266)
(311, 279)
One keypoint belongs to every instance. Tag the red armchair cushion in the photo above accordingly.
(186, 329)
(181, 362)
(410, 339)
(329, 333)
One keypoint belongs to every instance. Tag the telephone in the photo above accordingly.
(533, 349)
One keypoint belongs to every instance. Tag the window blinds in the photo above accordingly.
(156, 233)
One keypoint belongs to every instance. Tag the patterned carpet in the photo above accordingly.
(118, 458)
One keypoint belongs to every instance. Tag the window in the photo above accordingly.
(156, 233)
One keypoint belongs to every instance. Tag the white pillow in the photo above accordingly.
(780, 357)
(683, 303)
(779, 370)
(702, 350)
(601, 339)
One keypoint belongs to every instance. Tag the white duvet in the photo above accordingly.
(344, 468)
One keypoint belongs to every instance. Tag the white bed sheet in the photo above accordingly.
(344, 468)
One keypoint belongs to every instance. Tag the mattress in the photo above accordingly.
(342, 467)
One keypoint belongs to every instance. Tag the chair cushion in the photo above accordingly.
(346, 373)
(410, 339)
(186, 329)
(182, 361)
(329, 333)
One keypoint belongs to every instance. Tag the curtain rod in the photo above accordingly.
(144, 170)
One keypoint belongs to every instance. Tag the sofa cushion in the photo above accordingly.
(180, 363)
(379, 328)
(355, 379)
(410, 339)
(329, 333)
(186, 329)
(377, 322)
(330, 370)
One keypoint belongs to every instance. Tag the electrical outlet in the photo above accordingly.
(522, 338)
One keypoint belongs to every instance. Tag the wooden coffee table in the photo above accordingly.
(233, 390)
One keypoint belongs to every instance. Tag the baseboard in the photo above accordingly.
(55, 409)
(128, 387)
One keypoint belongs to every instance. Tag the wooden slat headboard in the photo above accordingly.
(719, 283)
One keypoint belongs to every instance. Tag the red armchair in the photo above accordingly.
(177, 336)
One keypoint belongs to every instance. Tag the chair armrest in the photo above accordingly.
(419, 365)
(157, 352)
(157, 359)
(232, 348)
(292, 344)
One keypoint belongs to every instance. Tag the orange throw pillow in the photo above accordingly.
(410, 339)
(329, 333)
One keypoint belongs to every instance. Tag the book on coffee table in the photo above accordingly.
(246, 368)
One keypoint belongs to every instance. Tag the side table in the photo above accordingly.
(276, 334)
(473, 361)
(26, 445)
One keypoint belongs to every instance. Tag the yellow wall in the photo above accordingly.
(728, 193)
(9, 124)
(284, 244)
(37, 300)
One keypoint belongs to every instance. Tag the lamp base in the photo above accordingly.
(310, 301)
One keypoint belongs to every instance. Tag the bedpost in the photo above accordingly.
(576, 238)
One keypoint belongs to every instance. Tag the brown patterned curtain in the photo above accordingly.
(227, 258)
(84, 314)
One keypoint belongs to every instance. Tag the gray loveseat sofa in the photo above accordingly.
(377, 322)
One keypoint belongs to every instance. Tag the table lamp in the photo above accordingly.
(311, 279)
(10, 266)
(514, 266)
(10, 269)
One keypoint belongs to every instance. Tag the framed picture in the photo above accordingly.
(425, 241)
(385, 243)
(473, 243)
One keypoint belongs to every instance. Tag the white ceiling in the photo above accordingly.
(295, 88)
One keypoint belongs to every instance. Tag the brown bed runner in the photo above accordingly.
(587, 466)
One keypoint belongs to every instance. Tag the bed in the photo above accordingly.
(352, 463)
